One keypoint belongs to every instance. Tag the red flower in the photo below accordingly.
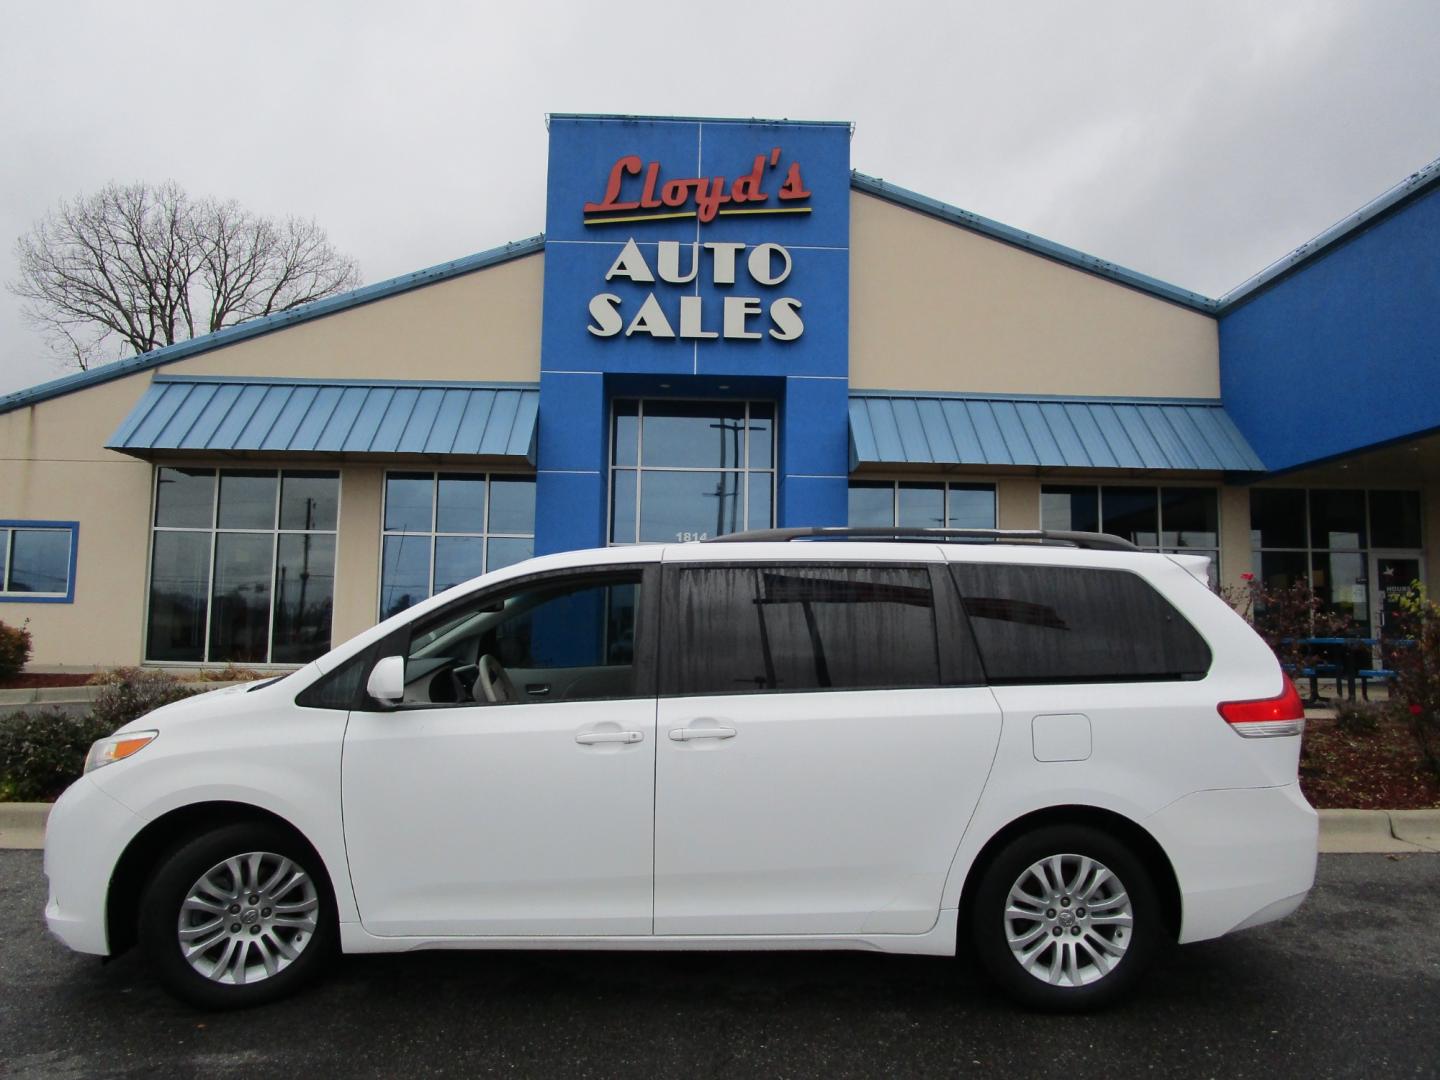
(1416, 710)
(1247, 577)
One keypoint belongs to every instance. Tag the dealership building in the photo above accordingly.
(724, 327)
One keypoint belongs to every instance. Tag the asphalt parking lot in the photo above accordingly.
(1348, 987)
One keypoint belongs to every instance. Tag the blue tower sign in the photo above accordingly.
(693, 259)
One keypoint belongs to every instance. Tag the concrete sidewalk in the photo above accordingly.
(22, 825)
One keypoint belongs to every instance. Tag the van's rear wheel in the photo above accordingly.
(238, 916)
(1066, 917)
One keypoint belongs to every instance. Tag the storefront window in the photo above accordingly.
(445, 528)
(242, 565)
(1174, 519)
(36, 559)
(685, 470)
(922, 504)
(1329, 537)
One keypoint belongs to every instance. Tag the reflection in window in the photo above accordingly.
(686, 470)
(445, 528)
(35, 560)
(242, 565)
(915, 504)
(1182, 520)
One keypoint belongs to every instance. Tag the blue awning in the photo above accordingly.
(1048, 432)
(302, 416)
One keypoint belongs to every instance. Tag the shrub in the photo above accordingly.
(43, 752)
(129, 693)
(229, 673)
(1417, 671)
(14, 650)
(1358, 717)
(1285, 617)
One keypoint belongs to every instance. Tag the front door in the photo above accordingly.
(814, 772)
(527, 815)
(1392, 574)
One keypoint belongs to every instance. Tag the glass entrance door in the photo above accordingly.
(1392, 573)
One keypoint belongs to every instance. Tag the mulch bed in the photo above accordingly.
(1380, 770)
(29, 681)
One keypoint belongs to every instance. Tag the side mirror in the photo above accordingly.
(387, 681)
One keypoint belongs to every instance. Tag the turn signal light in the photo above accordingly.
(1265, 718)
(118, 748)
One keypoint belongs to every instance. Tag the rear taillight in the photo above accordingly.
(1266, 717)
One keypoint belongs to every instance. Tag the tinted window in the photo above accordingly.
(739, 630)
(1037, 624)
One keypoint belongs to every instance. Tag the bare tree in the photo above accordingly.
(135, 267)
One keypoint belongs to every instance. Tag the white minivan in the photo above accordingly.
(1055, 747)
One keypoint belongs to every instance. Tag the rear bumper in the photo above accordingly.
(84, 837)
(1242, 856)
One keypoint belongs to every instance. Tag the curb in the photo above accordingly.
(1342, 832)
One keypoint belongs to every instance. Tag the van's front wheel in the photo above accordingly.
(237, 917)
(1066, 917)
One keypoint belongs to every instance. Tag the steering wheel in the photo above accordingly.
(495, 681)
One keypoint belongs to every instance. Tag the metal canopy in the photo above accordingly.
(287, 416)
(1049, 432)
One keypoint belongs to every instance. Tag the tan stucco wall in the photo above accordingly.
(480, 327)
(936, 307)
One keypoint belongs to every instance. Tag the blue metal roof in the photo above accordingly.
(1047, 432)
(255, 327)
(221, 415)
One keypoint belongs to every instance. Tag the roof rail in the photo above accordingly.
(1092, 540)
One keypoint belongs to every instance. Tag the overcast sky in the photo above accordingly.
(1195, 142)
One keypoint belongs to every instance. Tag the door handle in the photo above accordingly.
(685, 734)
(586, 738)
(537, 689)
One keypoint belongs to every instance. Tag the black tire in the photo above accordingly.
(1102, 977)
(161, 913)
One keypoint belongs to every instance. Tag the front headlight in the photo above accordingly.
(117, 748)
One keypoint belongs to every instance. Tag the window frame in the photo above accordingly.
(10, 526)
(214, 530)
(640, 468)
(436, 475)
(855, 480)
(397, 642)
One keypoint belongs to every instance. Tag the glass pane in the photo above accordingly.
(1395, 519)
(872, 504)
(512, 504)
(972, 507)
(1283, 569)
(407, 502)
(1277, 518)
(179, 586)
(404, 573)
(309, 500)
(761, 505)
(922, 506)
(622, 506)
(509, 550)
(1131, 512)
(185, 498)
(626, 433)
(703, 435)
(1190, 517)
(304, 598)
(1340, 579)
(39, 560)
(461, 506)
(457, 559)
(762, 435)
(1337, 519)
(240, 600)
(247, 500)
(680, 506)
(1075, 508)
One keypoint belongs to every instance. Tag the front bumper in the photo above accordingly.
(84, 838)
(1242, 856)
